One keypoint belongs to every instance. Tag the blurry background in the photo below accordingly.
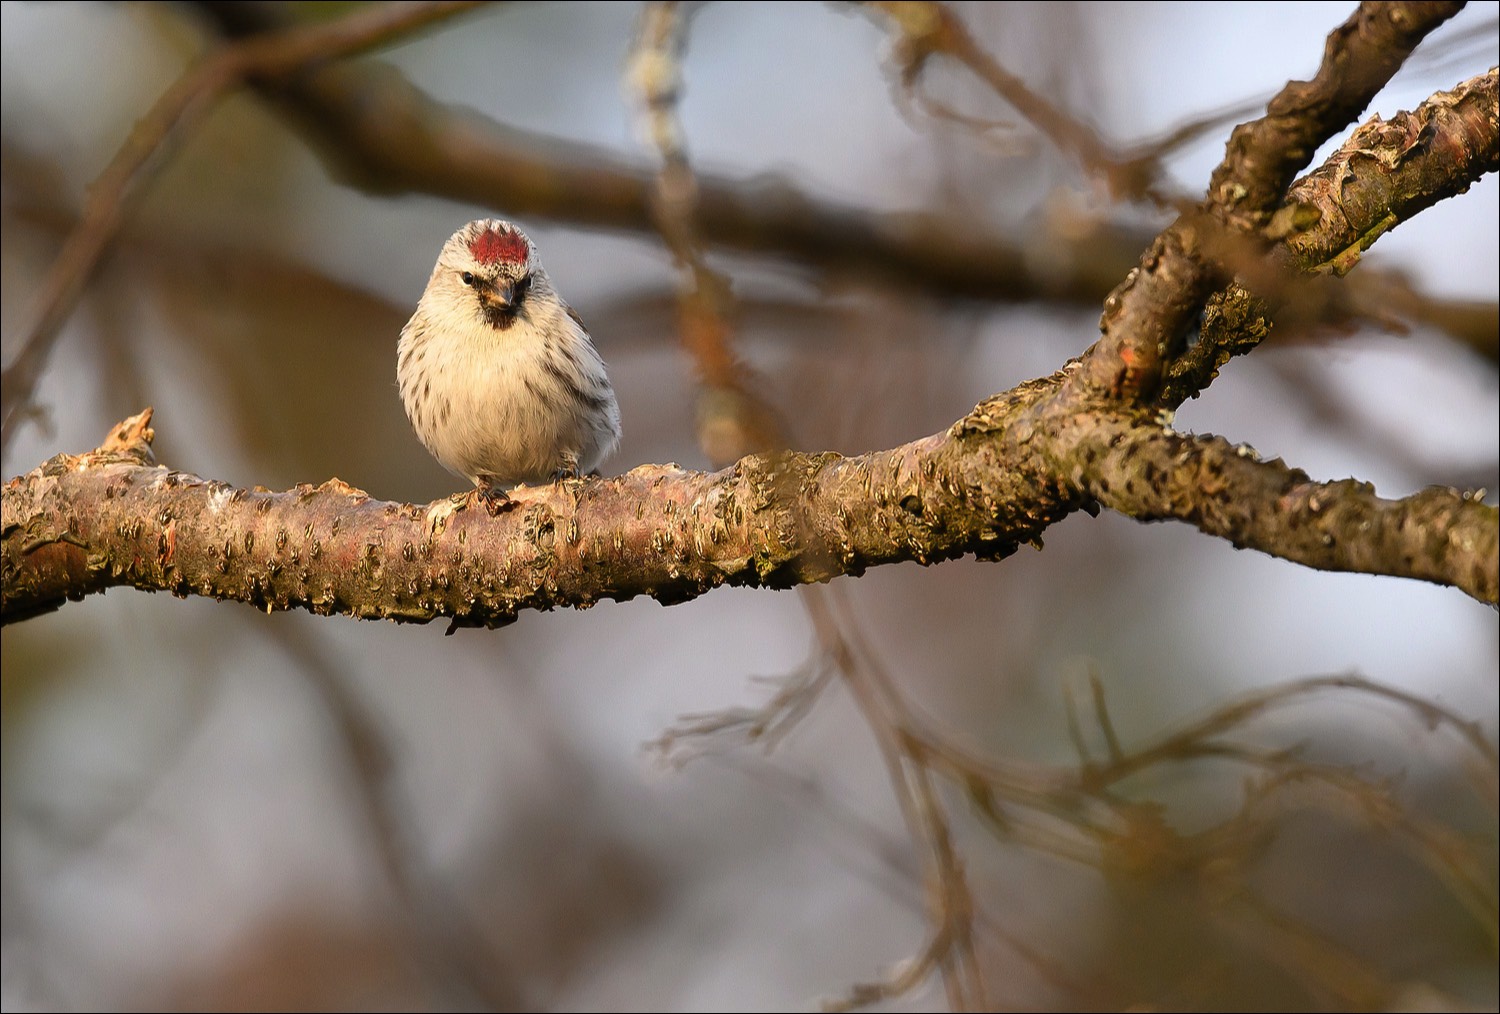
(207, 807)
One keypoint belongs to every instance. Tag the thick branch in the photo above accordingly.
(78, 525)
(1150, 473)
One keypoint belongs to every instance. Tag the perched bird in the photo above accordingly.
(497, 373)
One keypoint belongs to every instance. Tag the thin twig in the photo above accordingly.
(928, 29)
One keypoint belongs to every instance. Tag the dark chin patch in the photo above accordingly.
(498, 317)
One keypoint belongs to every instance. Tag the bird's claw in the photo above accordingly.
(493, 499)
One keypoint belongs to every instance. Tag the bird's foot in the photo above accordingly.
(493, 499)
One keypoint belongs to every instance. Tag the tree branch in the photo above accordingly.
(78, 525)
(1147, 317)
(1388, 171)
(1360, 56)
(1150, 473)
(1384, 174)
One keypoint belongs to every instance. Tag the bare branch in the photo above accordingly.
(1151, 473)
(376, 131)
(1147, 317)
(1388, 171)
(81, 524)
(1360, 57)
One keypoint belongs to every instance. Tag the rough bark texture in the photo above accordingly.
(1389, 170)
(996, 479)
(79, 524)
(1147, 317)
(1358, 59)
(1439, 534)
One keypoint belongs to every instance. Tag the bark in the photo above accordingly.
(996, 479)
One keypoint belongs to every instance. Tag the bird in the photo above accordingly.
(498, 375)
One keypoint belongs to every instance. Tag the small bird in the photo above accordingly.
(497, 373)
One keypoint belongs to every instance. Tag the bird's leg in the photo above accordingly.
(568, 469)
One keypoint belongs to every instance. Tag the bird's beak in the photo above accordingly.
(498, 296)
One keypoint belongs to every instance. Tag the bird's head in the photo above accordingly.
(491, 266)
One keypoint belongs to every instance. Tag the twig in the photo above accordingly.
(928, 29)
(951, 948)
(1255, 705)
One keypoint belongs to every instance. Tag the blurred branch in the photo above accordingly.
(733, 419)
(114, 195)
(951, 910)
(375, 131)
(924, 30)
(457, 970)
(1132, 838)
(1187, 741)
(1088, 814)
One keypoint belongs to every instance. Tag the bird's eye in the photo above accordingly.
(467, 278)
(522, 285)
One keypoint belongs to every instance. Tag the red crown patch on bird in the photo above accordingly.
(499, 246)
